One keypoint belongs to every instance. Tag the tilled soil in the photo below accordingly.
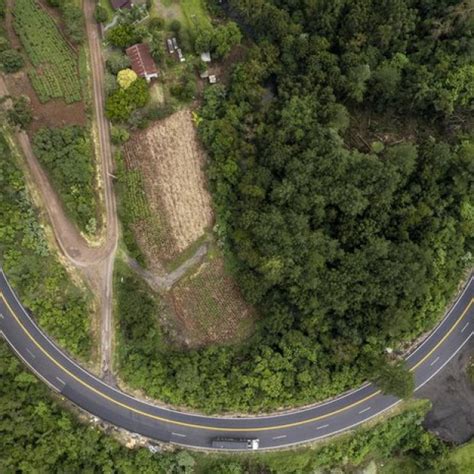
(452, 395)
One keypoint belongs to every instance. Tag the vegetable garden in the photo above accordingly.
(55, 73)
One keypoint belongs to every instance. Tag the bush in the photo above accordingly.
(68, 156)
(117, 61)
(11, 60)
(156, 24)
(20, 114)
(119, 135)
(100, 14)
(121, 103)
(175, 26)
(123, 36)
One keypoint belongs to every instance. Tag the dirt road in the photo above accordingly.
(111, 238)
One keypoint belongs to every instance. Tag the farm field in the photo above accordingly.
(54, 74)
(170, 160)
(210, 307)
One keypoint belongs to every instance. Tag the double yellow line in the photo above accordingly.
(214, 428)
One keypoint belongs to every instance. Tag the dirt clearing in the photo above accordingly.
(452, 395)
(171, 160)
(210, 307)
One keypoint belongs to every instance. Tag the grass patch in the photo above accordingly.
(195, 14)
(463, 458)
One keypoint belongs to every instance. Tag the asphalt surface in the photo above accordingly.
(64, 375)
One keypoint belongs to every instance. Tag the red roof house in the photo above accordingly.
(141, 61)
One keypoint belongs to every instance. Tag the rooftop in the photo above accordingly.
(141, 60)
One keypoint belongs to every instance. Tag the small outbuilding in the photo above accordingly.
(142, 62)
(206, 57)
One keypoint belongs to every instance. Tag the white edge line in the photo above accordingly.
(30, 367)
(31, 353)
(433, 332)
(449, 359)
(166, 409)
(261, 449)
(307, 441)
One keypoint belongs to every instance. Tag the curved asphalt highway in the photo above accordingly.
(63, 375)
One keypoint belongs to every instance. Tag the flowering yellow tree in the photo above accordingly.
(125, 78)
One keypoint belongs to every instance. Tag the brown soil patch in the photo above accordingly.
(171, 160)
(54, 113)
(210, 307)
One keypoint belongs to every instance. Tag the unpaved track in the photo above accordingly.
(110, 246)
(165, 282)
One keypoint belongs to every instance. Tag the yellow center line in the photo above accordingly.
(200, 426)
(451, 329)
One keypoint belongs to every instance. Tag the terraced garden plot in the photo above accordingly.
(55, 72)
(210, 306)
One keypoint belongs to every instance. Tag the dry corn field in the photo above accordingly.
(171, 160)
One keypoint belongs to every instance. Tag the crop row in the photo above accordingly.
(135, 198)
(56, 73)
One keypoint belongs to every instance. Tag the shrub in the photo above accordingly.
(11, 60)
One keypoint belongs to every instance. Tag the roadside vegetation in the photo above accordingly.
(399, 441)
(61, 308)
(67, 155)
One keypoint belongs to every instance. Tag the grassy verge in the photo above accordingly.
(61, 308)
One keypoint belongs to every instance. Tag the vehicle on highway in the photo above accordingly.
(235, 443)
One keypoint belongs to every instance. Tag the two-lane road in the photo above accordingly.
(64, 375)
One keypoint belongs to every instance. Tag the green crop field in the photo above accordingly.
(55, 73)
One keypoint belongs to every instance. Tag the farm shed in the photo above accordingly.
(141, 61)
(206, 57)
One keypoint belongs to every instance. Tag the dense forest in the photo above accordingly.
(346, 246)
(38, 435)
